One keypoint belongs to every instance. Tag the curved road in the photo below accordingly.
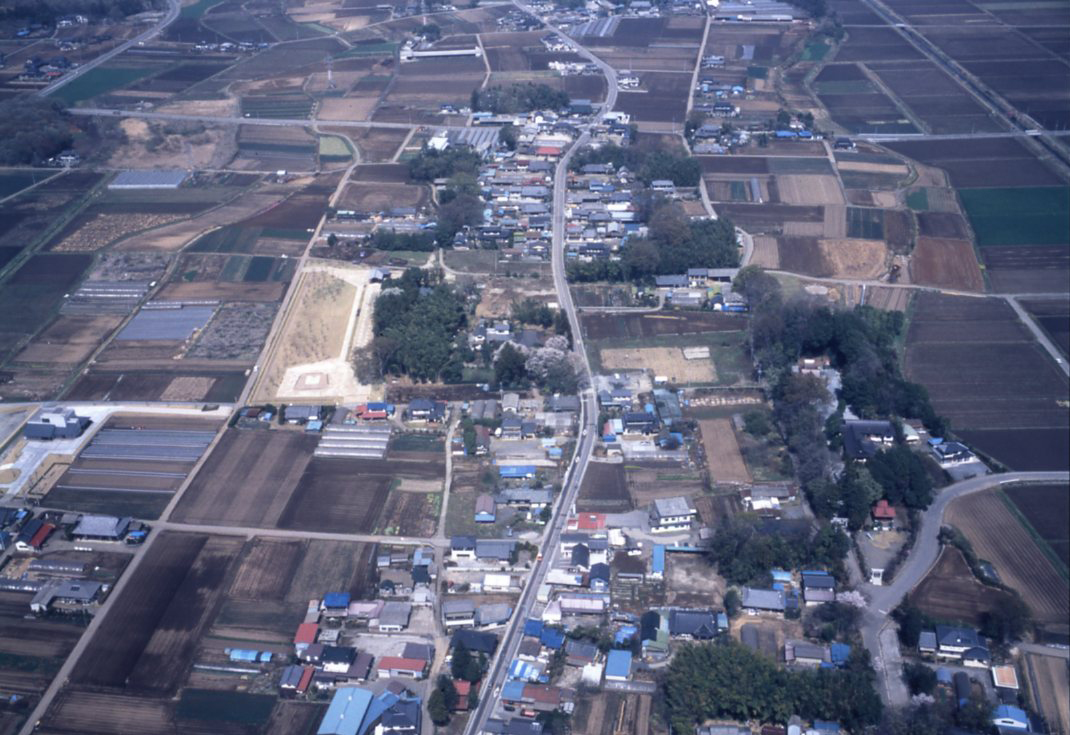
(884, 599)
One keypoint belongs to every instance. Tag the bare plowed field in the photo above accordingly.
(336, 495)
(950, 592)
(809, 190)
(1048, 684)
(722, 452)
(248, 479)
(1047, 509)
(661, 361)
(604, 489)
(946, 263)
(1000, 539)
(267, 569)
(637, 326)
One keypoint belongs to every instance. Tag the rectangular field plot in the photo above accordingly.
(671, 362)
(1054, 318)
(1048, 684)
(722, 452)
(998, 537)
(248, 479)
(986, 373)
(604, 489)
(1020, 216)
(167, 323)
(635, 326)
(1047, 509)
(950, 592)
(212, 386)
(132, 466)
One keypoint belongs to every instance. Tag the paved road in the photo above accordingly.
(237, 120)
(901, 137)
(173, 8)
(882, 600)
(510, 641)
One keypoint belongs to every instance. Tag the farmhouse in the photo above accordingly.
(671, 515)
(34, 535)
(950, 454)
(69, 594)
(55, 423)
(457, 613)
(498, 550)
(462, 547)
(101, 528)
(804, 653)
(863, 439)
(397, 667)
(953, 642)
(699, 625)
(485, 509)
(756, 600)
(818, 588)
(493, 614)
(394, 617)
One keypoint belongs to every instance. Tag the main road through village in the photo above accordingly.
(882, 600)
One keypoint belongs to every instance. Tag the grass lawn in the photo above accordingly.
(1037, 215)
(815, 51)
(334, 147)
(726, 350)
(100, 81)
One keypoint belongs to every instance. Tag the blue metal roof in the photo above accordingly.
(533, 627)
(346, 712)
(513, 691)
(336, 599)
(839, 652)
(657, 562)
(516, 470)
(619, 664)
(552, 638)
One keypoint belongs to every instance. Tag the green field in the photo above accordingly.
(197, 9)
(1038, 215)
(851, 86)
(17, 180)
(334, 148)
(100, 81)
(815, 51)
(918, 200)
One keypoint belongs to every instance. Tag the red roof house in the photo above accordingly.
(463, 689)
(306, 634)
(883, 513)
(41, 536)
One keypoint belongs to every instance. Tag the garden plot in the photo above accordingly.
(722, 452)
(679, 365)
(236, 332)
(331, 316)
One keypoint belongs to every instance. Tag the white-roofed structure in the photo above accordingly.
(149, 179)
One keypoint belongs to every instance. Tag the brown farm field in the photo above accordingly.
(604, 489)
(950, 592)
(1048, 684)
(667, 361)
(998, 537)
(638, 326)
(248, 479)
(946, 263)
(1047, 509)
(722, 452)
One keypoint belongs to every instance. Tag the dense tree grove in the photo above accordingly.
(675, 244)
(715, 681)
(430, 164)
(744, 554)
(860, 343)
(422, 242)
(416, 323)
(519, 97)
(648, 165)
(550, 366)
(32, 130)
(533, 311)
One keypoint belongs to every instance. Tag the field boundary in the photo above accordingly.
(1040, 541)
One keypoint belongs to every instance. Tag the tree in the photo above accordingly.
(437, 709)
(429, 31)
(733, 603)
(901, 473)
(509, 366)
(859, 492)
(919, 678)
(519, 97)
(32, 130)
(507, 136)
(1006, 622)
(911, 622)
(462, 659)
(756, 423)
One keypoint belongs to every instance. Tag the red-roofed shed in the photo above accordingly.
(884, 514)
(463, 689)
(42, 535)
(306, 679)
(306, 634)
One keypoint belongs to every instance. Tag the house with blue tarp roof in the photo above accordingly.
(533, 627)
(625, 634)
(552, 638)
(523, 671)
(780, 575)
(336, 601)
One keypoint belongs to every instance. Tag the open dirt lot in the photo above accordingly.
(832, 258)
(378, 197)
(637, 326)
(722, 452)
(651, 480)
(248, 479)
(69, 340)
(946, 263)
(330, 316)
(1048, 684)
(692, 582)
(950, 592)
(661, 361)
(999, 538)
